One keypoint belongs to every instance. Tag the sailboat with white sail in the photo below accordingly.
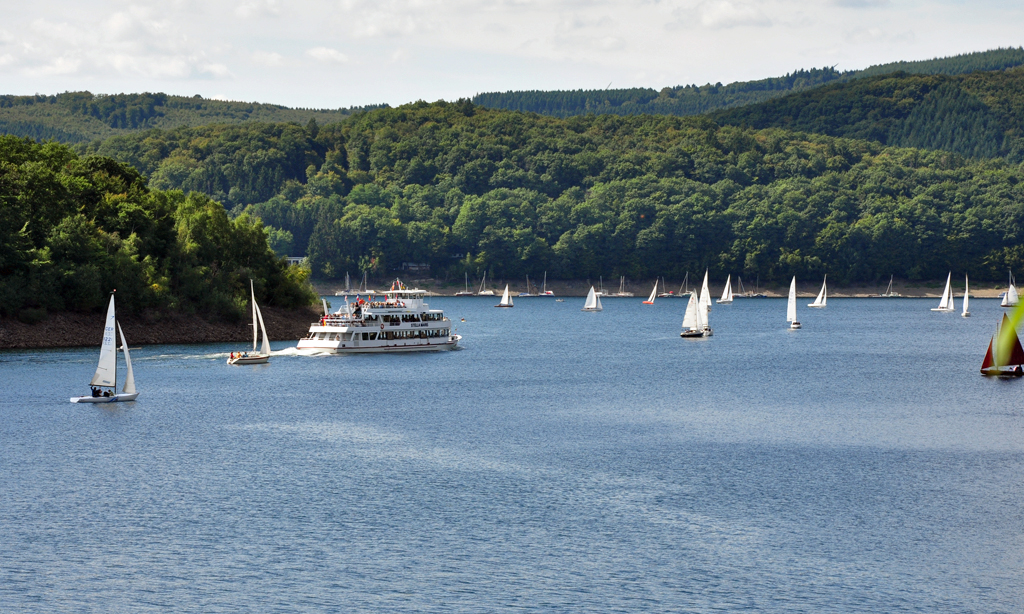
(791, 306)
(593, 302)
(245, 358)
(483, 285)
(654, 294)
(967, 296)
(695, 320)
(727, 292)
(665, 292)
(946, 303)
(705, 294)
(506, 299)
(106, 370)
(822, 295)
(1010, 297)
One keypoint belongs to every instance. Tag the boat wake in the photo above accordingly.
(297, 352)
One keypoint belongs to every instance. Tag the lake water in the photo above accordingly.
(562, 461)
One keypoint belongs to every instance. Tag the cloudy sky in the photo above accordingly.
(337, 53)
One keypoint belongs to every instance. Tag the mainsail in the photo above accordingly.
(822, 295)
(727, 292)
(106, 370)
(791, 307)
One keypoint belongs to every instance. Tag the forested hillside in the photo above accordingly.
(978, 114)
(470, 189)
(697, 100)
(76, 117)
(72, 229)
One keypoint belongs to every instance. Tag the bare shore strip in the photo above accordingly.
(642, 289)
(86, 329)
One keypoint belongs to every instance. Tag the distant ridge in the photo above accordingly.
(696, 100)
(77, 117)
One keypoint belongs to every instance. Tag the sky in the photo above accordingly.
(341, 53)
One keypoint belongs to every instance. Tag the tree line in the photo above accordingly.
(697, 100)
(74, 228)
(468, 189)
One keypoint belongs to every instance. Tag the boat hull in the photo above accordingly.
(382, 349)
(695, 334)
(114, 399)
(815, 306)
(950, 310)
(794, 326)
(248, 360)
(1003, 371)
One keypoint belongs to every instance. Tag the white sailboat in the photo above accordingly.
(544, 287)
(1010, 298)
(888, 291)
(822, 295)
(695, 320)
(593, 301)
(506, 299)
(483, 284)
(727, 292)
(946, 304)
(622, 288)
(465, 292)
(705, 294)
(791, 306)
(684, 288)
(967, 291)
(245, 358)
(654, 294)
(106, 370)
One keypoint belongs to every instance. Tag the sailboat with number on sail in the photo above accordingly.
(106, 370)
(791, 306)
(593, 302)
(506, 299)
(654, 294)
(245, 358)
(1004, 357)
(946, 303)
(727, 292)
(822, 295)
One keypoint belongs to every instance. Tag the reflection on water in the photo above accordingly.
(562, 461)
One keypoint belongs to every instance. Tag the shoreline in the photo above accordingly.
(579, 288)
(71, 329)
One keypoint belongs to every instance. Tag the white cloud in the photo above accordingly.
(260, 8)
(402, 50)
(268, 59)
(727, 14)
(326, 54)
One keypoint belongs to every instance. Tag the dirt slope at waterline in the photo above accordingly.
(85, 329)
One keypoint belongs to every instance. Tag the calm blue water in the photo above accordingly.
(563, 461)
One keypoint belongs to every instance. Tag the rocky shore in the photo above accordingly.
(85, 329)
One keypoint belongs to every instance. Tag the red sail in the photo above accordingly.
(1016, 351)
(988, 357)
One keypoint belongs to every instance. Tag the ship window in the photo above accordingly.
(390, 335)
(321, 336)
(366, 336)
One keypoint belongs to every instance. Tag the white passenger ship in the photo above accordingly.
(396, 320)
